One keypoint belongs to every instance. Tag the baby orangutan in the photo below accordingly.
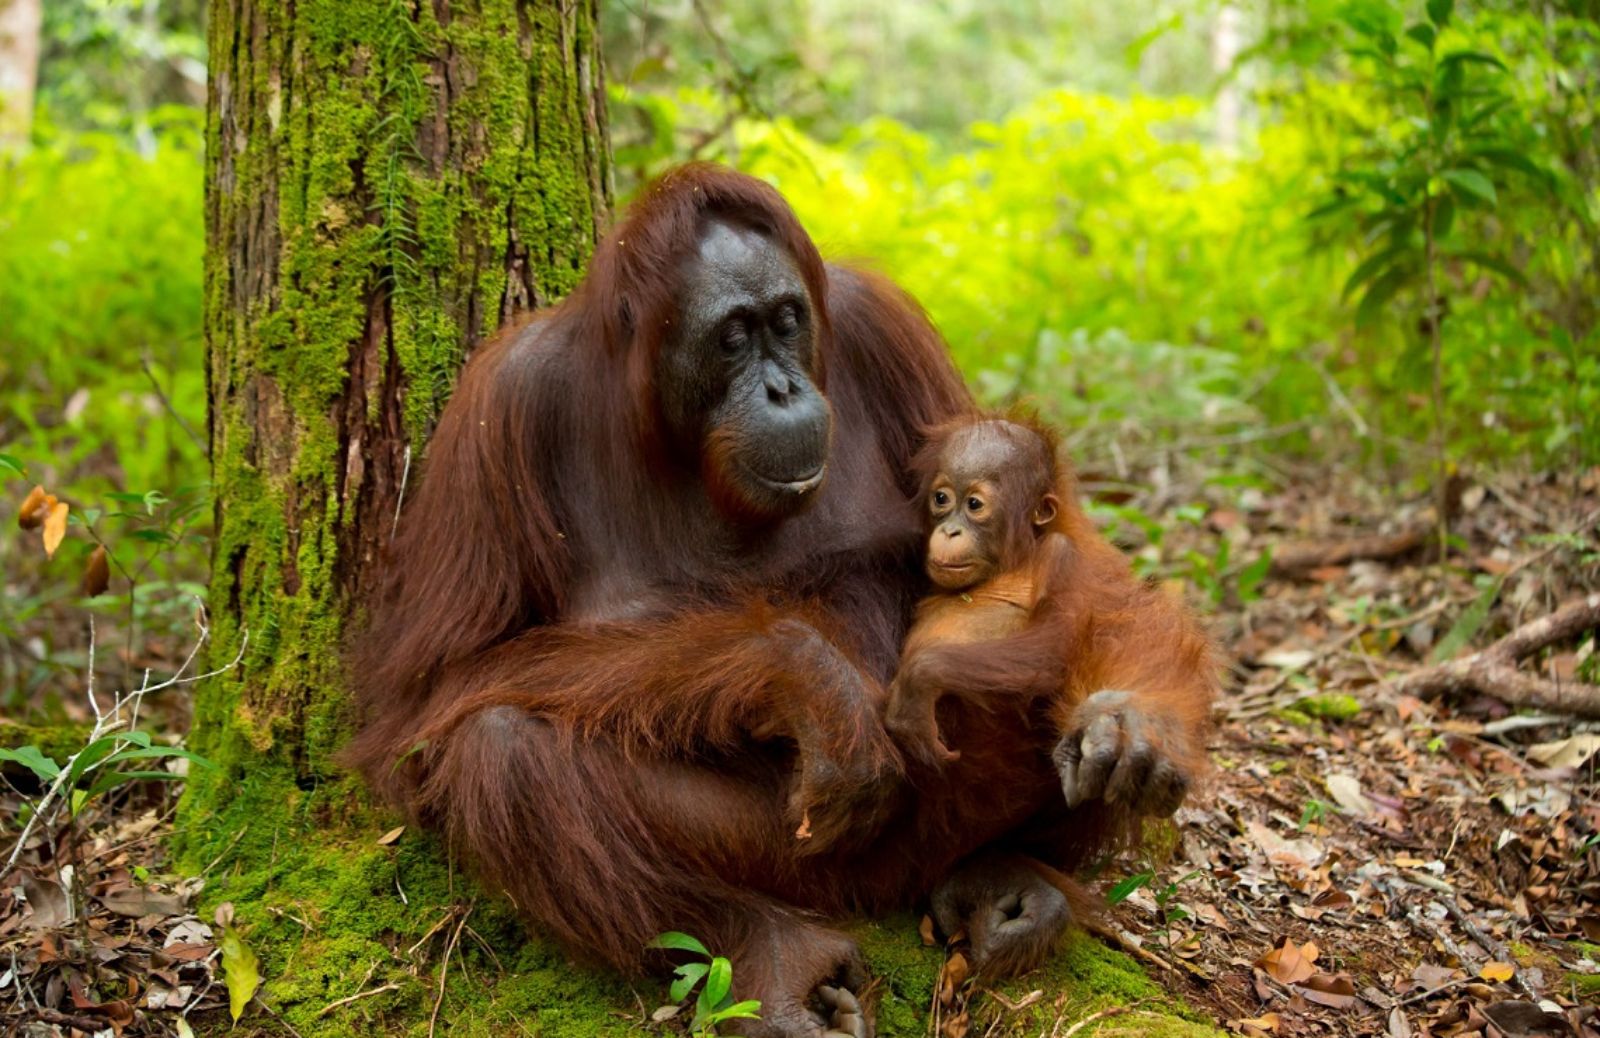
(993, 493)
(1034, 610)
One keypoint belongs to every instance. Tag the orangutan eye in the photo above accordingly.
(940, 498)
(734, 335)
(787, 321)
(974, 505)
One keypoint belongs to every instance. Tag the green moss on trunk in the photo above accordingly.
(386, 183)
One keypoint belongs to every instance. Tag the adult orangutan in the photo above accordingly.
(632, 652)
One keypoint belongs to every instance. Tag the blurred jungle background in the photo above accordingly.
(1286, 274)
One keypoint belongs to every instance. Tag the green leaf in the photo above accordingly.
(674, 940)
(1380, 292)
(32, 758)
(92, 755)
(1252, 576)
(1444, 216)
(159, 753)
(719, 981)
(1423, 34)
(1468, 624)
(242, 970)
(1125, 888)
(122, 778)
(1507, 158)
(1471, 183)
(689, 975)
(1461, 57)
(13, 464)
(1494, 263)
(1371, 267)
(1439, 11)
(749, 1009)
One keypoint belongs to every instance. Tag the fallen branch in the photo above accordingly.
(1493, 671)
(1297, 559)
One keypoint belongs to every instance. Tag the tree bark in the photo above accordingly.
(20, 21)
(387, 181)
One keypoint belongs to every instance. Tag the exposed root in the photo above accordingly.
(1296, 560)
(1493, 671)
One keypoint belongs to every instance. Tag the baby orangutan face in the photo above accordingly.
(989, 499)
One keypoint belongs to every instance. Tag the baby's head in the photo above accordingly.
(991, 489)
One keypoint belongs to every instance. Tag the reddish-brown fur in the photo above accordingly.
(620, 704)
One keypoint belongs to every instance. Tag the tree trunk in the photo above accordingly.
(387, 181)
(19, 70)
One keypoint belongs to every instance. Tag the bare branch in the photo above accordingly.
(1493, 671)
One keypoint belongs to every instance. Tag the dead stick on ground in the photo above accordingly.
(331, 1006)
(1103, 1014)
(1293, 560)
(1493, 671)
(444, 969)
(1496, 950)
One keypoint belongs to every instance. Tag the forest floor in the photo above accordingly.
(1375, 853)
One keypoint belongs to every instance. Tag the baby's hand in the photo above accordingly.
(911, 719)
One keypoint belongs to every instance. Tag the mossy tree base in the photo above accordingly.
(333, 915)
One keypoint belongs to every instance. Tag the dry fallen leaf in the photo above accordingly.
(925, 931)
(955, 973)
(97, 574)
(1525, 1020)
(1335, 990)
(1258, 1026)
(1566, 753)
(34, 508)
(134, 902)
(48, 901)
(958, 1026)
(1290, 963)
(1346, 792)
(1498, 972)
(55, 527)
(391, 836)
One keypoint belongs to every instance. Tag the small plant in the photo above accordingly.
(714, 975)
(1169, 912)
(1314, 813)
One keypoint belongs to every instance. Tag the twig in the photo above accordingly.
(231, 844)
(1104, 1014)
(122, 713)
(1124, 940)
(1341, 401)
(400, 498)
(144, 363)
(1430, 992)
(444, 970)
(275, 1014)
(444, 921)
(1496, 950)
(331, 1006)
(1259, 701)
(1297, 559)
(87, 1024)
(1493, 671)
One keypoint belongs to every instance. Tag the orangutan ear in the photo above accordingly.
(1044, 513)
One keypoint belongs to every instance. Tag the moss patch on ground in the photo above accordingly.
(333, 914)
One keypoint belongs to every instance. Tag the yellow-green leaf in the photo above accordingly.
(242, 970)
